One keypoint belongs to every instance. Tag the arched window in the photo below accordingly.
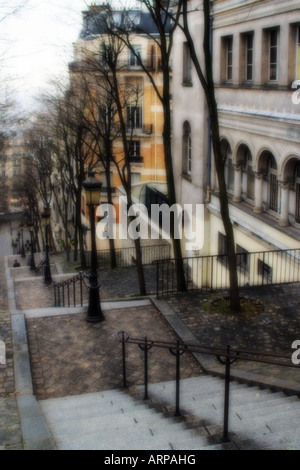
(186, 149)
(250, 179)
(229, 170)
(297, 190)
(273, 184)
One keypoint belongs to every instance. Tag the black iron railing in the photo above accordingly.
(40, 267)
(126, 256)
(69, 293)
(224, 355)
(212, 272)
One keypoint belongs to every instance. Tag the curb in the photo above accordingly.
(35, 431)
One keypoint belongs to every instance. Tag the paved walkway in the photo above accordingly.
(70, 356)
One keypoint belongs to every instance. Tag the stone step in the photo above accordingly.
(114, 420)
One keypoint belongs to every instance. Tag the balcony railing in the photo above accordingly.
(136, 159)
(145, 129)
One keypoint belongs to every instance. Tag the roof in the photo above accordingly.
(98, 20)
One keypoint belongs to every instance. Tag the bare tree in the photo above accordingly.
(121, 95)
(26, 187)
(101, 117)
(163, 42)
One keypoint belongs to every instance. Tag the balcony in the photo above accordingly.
(145, 129)
(136, 159)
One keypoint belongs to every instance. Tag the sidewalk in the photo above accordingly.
(57, 353)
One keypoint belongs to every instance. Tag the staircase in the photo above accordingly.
(122, 420)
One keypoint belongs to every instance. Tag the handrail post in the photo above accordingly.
(124, 361)
(177, 412)
(146, 369)
(226, 397)
(157, 280)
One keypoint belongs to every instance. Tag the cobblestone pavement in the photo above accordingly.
(273, 329)
(70, 356)
(121, 283)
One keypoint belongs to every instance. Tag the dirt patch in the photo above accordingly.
(249, 308)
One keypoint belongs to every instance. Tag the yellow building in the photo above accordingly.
(142, 109)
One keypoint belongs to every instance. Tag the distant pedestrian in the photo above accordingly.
(16, 264)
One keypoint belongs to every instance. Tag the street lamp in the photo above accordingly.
(31, 259)
(92, 187)
(22, 245)
(18, 240)
(47, 271)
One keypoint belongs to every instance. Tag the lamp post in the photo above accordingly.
(92, 187)
(22, 245)
(32, 261)
(18, 241)
(47, 271)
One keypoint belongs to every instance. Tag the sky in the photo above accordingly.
(37, 44)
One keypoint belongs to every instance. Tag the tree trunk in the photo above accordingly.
(112, 249)
(181, 283)
(216, 142)
(207, 83)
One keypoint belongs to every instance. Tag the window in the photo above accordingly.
(229, 56)
(135, 151)
(186, 149)
(187, 65)
(250, 179)
(135, 178)
(227, 158)
(135, 56)
(222, 249)
(249, 57)
(265, 271)
(134, 117)
(273, 185)
(273, 54)
(106, 115)
(297, 188)
(242, 258)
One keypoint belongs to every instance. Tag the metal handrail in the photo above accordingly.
(40, 265)
(59, 290)
(225, 355)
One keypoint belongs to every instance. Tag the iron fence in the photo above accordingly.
(127, 257)
(224, 355)
(212, 272)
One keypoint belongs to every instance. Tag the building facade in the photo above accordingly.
(13, 161)
(256, 65)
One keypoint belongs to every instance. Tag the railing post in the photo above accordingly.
(177, 352)
(177, 412)
(124, 360)
(81, 293)
(74, 293)
(226, 397)
(145, 347)
(146, 369)
(157, 280)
